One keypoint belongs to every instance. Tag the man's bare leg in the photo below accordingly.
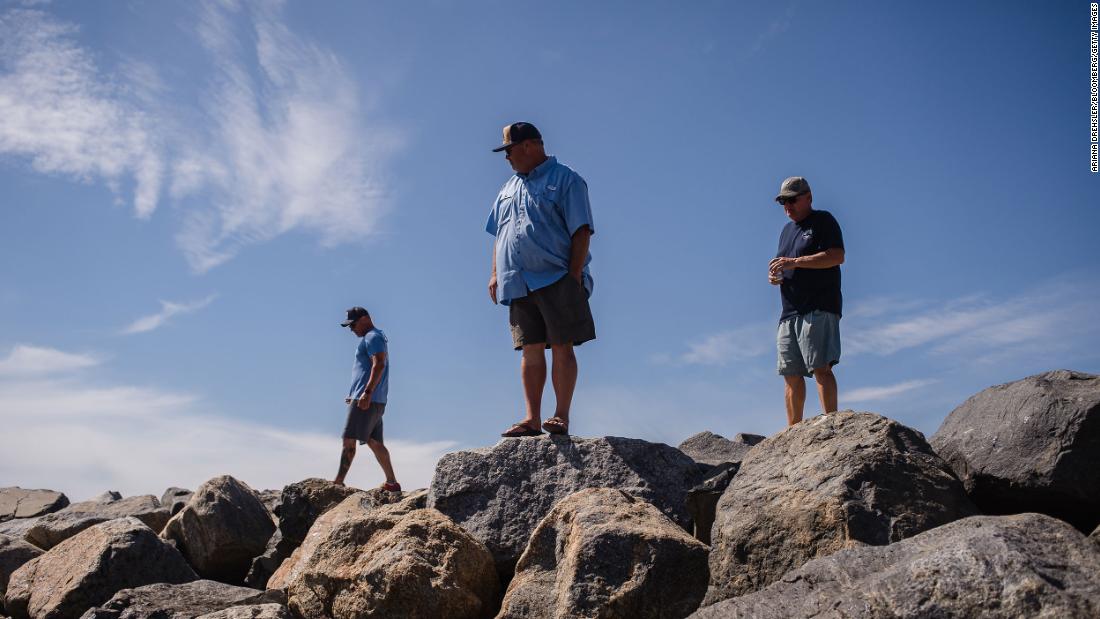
(795, 397)
(564, 377)
(383, 456)
(346, 456)
(826, 388)
(533, 369)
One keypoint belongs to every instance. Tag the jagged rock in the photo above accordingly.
(713, 449)
(500, 493)
(604, 553)
(356, 507)
(827, 483)
(18, 527)
(301, 504)
(222, 528)
(388, 562)
(52, 529)
(16, 502)
(258, 611)
(1095, 536)
(702, 500)
(1029, 565)
(90, 567)
(272, 500)
(175, 601)
(175, 499)
(13, 554)
(1030, 445)
(108, 497)
(304, 501)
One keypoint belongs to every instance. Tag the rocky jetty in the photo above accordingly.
(221, 529)
(845, 515)
(501, 493)
(1028, 565)
(828, 483)
(604, 553)
(1030, 446)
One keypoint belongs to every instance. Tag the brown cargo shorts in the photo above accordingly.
(556, 314)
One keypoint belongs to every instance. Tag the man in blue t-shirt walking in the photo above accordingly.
(370, 384)
(807, 270)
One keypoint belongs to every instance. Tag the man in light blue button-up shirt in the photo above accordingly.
(542, 222)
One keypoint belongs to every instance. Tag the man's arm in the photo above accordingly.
(493, 275)
(578, 251)
(377, 365)
(834, 256)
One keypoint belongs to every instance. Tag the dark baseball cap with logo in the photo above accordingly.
(516, 133)
(354, 314)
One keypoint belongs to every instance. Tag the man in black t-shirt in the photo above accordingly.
(807, 270)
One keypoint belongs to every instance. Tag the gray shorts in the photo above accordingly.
(807, 342)
(556, 314)
(365, 424)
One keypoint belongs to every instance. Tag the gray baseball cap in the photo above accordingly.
(793, 186)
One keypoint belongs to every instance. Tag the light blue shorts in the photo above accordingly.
(808, 341)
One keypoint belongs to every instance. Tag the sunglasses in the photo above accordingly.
(787, 200)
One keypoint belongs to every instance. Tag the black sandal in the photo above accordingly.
(520, 429)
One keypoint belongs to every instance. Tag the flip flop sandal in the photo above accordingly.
(556, 425)
(520, 429)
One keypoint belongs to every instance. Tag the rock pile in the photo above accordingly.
(847, 515)
(1030, 445)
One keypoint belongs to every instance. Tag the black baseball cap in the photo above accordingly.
(516, 133)
(354, 314)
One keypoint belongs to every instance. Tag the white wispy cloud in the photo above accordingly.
(82, 439)
(25, 360)
(885, 392)
(168, 309)
(1043, 319)
(59, 112)
(278, 144)
(729, 345)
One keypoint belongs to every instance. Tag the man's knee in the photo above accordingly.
(823, 372)
(562, 352)
(793, 380)
(349, 444)
(376, 445)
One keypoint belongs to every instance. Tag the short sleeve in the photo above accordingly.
(575, 206)
(491, 225)
(376, 344)
(830, 236)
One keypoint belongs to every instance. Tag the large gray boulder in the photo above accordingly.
(390, 561)
(300, 506)
(501, 493)
(18, 527)
(14, 553)
(17, 502)
(1030, 445)
(714, 449)
(604, 553)
(90, 567)
(52, 529)
(827, 483)
(222, 528)
(175, 601)
(1028, 565)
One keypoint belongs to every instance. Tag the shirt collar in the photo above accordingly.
(540, 169)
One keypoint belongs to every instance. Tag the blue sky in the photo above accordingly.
(194, 192)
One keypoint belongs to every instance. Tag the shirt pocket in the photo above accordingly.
(547, 208)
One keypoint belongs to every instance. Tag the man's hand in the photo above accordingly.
(493, 287)
(578, 276)
(778, 265)
(364, 401)
(774, 278)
